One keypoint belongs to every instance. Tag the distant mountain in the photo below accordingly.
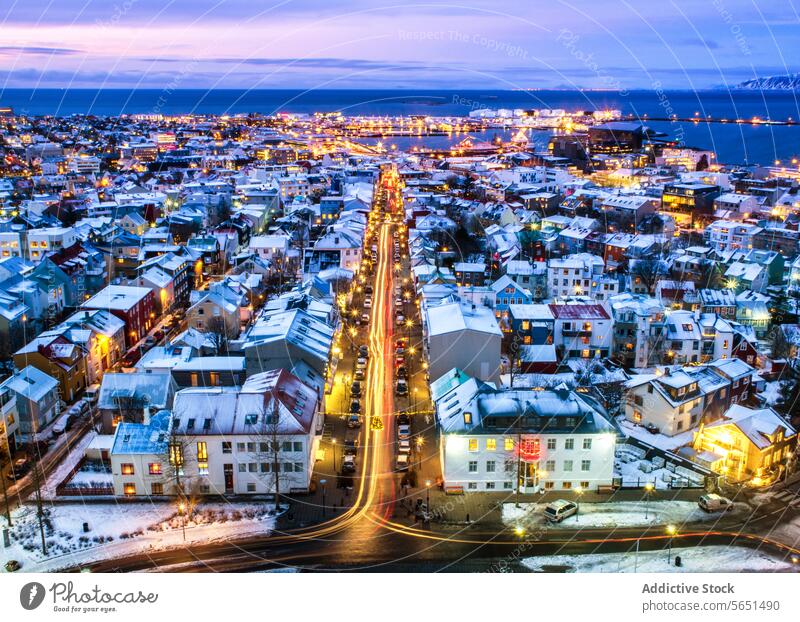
(772, 83)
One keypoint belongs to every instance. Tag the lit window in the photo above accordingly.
(491, 444)
(509, 444)
(127, 469)
(129, 489)
(154, 468)
(473, 444)
(202, 452)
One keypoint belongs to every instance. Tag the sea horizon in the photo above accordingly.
(733, 143)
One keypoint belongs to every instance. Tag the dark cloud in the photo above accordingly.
(15, 50)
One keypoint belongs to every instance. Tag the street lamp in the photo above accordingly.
(420, 442)
(416, 390)
(648, 488)
(428, 495)
(671, 530)
(322, 483)
(333, 443)
(346, 390)
(181, 511)
(579, 492)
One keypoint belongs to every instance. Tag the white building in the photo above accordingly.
(227, 439)
(633, 315)
(493, 440)
(49, 239)
(269, 246)
(573, 275)
(726, 235)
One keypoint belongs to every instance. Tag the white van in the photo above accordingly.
(92, 393)
(715, 503)
(557, 511)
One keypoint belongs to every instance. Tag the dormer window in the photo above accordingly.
(467, 418)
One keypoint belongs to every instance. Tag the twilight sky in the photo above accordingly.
(488, 44)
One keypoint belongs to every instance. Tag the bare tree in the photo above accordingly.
(648, 271)
(267, 443)
(217, 331)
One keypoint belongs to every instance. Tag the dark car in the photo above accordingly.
(363, 351)
(19, 468)
(355, 389)
(12, 565)
(403, 419)
(355, 407)
(401, 372)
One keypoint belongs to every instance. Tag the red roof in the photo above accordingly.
(579, 312)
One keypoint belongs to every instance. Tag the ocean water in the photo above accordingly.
(733, 143)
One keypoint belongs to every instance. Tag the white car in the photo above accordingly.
(402, 462)
(404, 432)
(404, 446)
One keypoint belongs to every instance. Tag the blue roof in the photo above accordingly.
(143, 438)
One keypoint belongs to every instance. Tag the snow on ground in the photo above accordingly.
(662, 441)
(694, 559)
(70, 461)
(633, 470)
(772, 392)
(615, 514)
(125, 529)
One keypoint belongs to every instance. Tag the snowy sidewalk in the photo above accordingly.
(617, 514)
(693, 559)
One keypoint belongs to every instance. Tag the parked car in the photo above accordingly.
(402, 462)
(398, 302)
(367, 303)
(349, 464)
(715, 503)
(403, 419)
(399, 361)
(18, 469)
(354, 421)
(400, 343)
(355, 389)
(363, 351)
(404, 432)
(557, 511)
(92, 393)
(359, 374)
(404, 446)
(355, 407)
(402, 387)
(401, 372)
(60, 426)
(365, 318)
(400, 318)
(361, 362)
(12, 565)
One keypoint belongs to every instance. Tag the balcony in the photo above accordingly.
(577, 332)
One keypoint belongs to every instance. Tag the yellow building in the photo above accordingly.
(746, 444)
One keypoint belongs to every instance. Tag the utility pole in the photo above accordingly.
(519, 458)
(39, 508)
(5, 500)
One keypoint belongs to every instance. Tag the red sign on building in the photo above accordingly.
(529, 449)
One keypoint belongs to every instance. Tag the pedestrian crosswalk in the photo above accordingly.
(788, 497)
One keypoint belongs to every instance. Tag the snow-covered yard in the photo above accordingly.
(615, 514)
(125, 529)
(662, 441)
(631, 467)
(694, 559)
